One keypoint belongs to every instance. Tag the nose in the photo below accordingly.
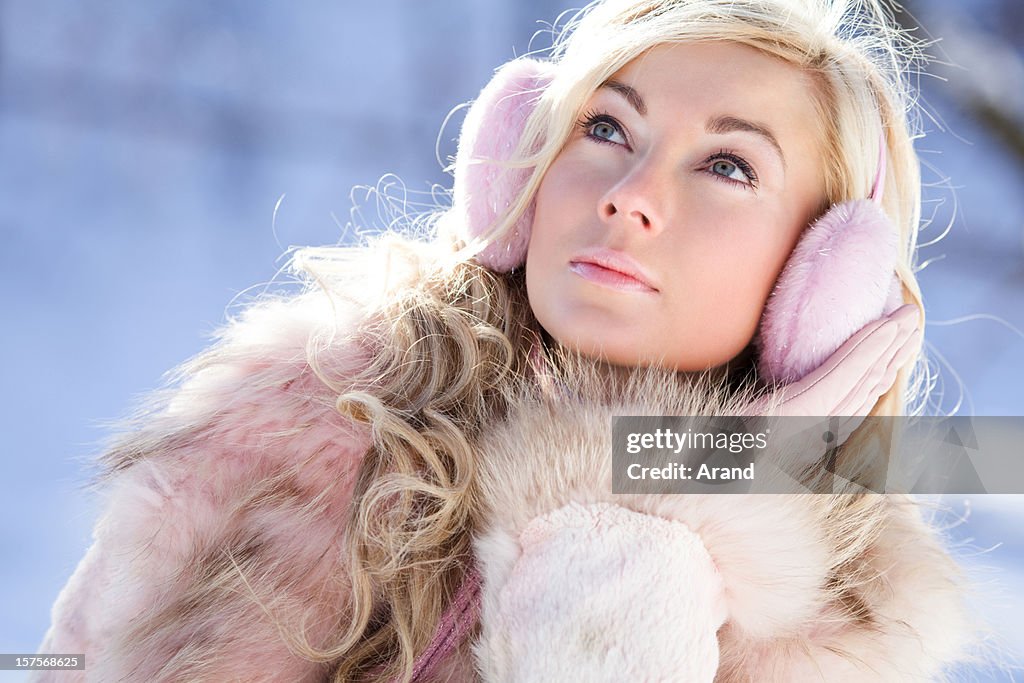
(639, 199)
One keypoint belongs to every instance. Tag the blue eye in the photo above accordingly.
(727, 165)
(727, 168)
(603, 128)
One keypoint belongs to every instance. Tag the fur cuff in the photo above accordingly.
(601, 593)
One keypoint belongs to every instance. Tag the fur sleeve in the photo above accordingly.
(223, 516)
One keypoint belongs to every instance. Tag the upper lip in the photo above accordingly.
(618, 261)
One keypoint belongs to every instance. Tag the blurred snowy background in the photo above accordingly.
(144, 146)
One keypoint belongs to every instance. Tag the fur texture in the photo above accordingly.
(813, 587)
(838, 279)
(248, 466)
(583, 574)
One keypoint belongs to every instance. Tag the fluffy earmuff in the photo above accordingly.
(839, 277)
(484, 186)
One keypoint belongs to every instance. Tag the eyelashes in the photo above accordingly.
(590, 120)
(739, 162)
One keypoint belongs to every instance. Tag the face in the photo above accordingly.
(662, 225)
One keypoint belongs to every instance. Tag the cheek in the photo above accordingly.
(550, 208)
(569, 187)
(740, 262)
(563, 210)
(547, 230)
(760, 240)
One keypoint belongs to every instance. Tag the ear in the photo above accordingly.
(840, 277)
(483, 188)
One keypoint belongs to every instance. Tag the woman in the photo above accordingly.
(312, 499)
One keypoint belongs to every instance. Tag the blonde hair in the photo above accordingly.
(450, 342)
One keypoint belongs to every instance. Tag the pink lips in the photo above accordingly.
(612, 269)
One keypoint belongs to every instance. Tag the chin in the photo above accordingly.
(624, 354)
(627, 354)
(616, 341)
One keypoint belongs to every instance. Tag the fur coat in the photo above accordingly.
(247, 465)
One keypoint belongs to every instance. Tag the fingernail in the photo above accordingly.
(903, 311)
(906, 314)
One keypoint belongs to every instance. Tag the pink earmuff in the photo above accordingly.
(484, 187)
(837, 280)
(839, 277)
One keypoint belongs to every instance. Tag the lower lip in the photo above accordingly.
(608, 277)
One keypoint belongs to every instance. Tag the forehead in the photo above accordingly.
(724, 78)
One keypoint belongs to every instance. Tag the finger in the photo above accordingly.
(882, 378)
(867, 393)
(861, 392)
(907, 313)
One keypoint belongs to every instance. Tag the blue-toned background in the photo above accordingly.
(144, 146)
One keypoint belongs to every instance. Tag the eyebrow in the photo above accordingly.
(728, 124)
(631, 95)
(718, 125)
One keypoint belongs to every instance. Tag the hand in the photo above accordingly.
(851, 380)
